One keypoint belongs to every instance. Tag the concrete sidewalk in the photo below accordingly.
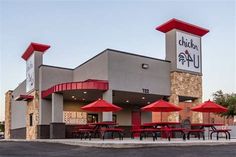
(134, 143)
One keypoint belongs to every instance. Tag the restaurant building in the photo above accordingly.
(47, 104)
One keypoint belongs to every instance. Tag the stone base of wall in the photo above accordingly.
(8, 97)
(43, 131)
(32, 108)
(57, 130)
(185, 85)
(19, 133)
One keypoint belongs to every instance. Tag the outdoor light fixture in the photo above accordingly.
(127, 101)
(73, 96)
(148, 102)
(145, 66)
(143, 97)
(85, 92)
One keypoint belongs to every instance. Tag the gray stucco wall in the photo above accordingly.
(126, 74)
(18, 108)
(96, 68)
(48, 77)
(123, 71)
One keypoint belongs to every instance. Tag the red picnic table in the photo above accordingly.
(101, 128)
(213, 129)
(160, 124)
(161, 127)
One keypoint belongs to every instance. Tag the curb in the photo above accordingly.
(127, 144)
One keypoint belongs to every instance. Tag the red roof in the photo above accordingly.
(34, 47)
(183, 26)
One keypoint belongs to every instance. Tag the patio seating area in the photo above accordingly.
(164, 130)
(156, 131)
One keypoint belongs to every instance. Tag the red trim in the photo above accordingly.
(88, 84)
(181, 25)
(34, 47)
(24, 98)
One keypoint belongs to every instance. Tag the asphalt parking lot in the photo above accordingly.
(40, 149)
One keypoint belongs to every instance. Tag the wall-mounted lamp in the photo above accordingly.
(145, 66)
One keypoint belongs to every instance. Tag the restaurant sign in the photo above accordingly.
(30, 79)
(188, 52)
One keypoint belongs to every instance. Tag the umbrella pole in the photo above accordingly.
(209, 118)
(208, 123)
(161, 116)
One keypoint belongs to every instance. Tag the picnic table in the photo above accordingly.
(213, 128)
(101, 128)
(160, 124)
(153, 128)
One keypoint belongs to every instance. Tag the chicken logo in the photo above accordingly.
(186, 57)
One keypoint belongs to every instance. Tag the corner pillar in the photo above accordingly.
(57, 127)
(197, 117)
(174, 116)
(107, 116)
(8, 97)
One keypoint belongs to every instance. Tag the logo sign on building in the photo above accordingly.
(188, 52)
(30, 80)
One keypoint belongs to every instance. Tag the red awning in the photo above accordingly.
(88, 84)
(101, 106)
(209, 106)
(24, 98)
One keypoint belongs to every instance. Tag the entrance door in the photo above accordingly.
(136, 120)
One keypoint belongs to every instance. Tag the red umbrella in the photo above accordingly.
(101, 106)
(209, 106)
(161, 106)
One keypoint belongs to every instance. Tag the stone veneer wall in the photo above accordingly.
(187, 85)
(32, 107)
(8, 97)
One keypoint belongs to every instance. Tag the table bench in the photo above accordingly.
(217, 131)
(85, 133)
(145, 132)
(120, 132)
(199, 132)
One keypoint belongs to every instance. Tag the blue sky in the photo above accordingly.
(78, 30)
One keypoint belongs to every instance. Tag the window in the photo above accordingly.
(114, 118)
(31, 119)
(92, 118)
